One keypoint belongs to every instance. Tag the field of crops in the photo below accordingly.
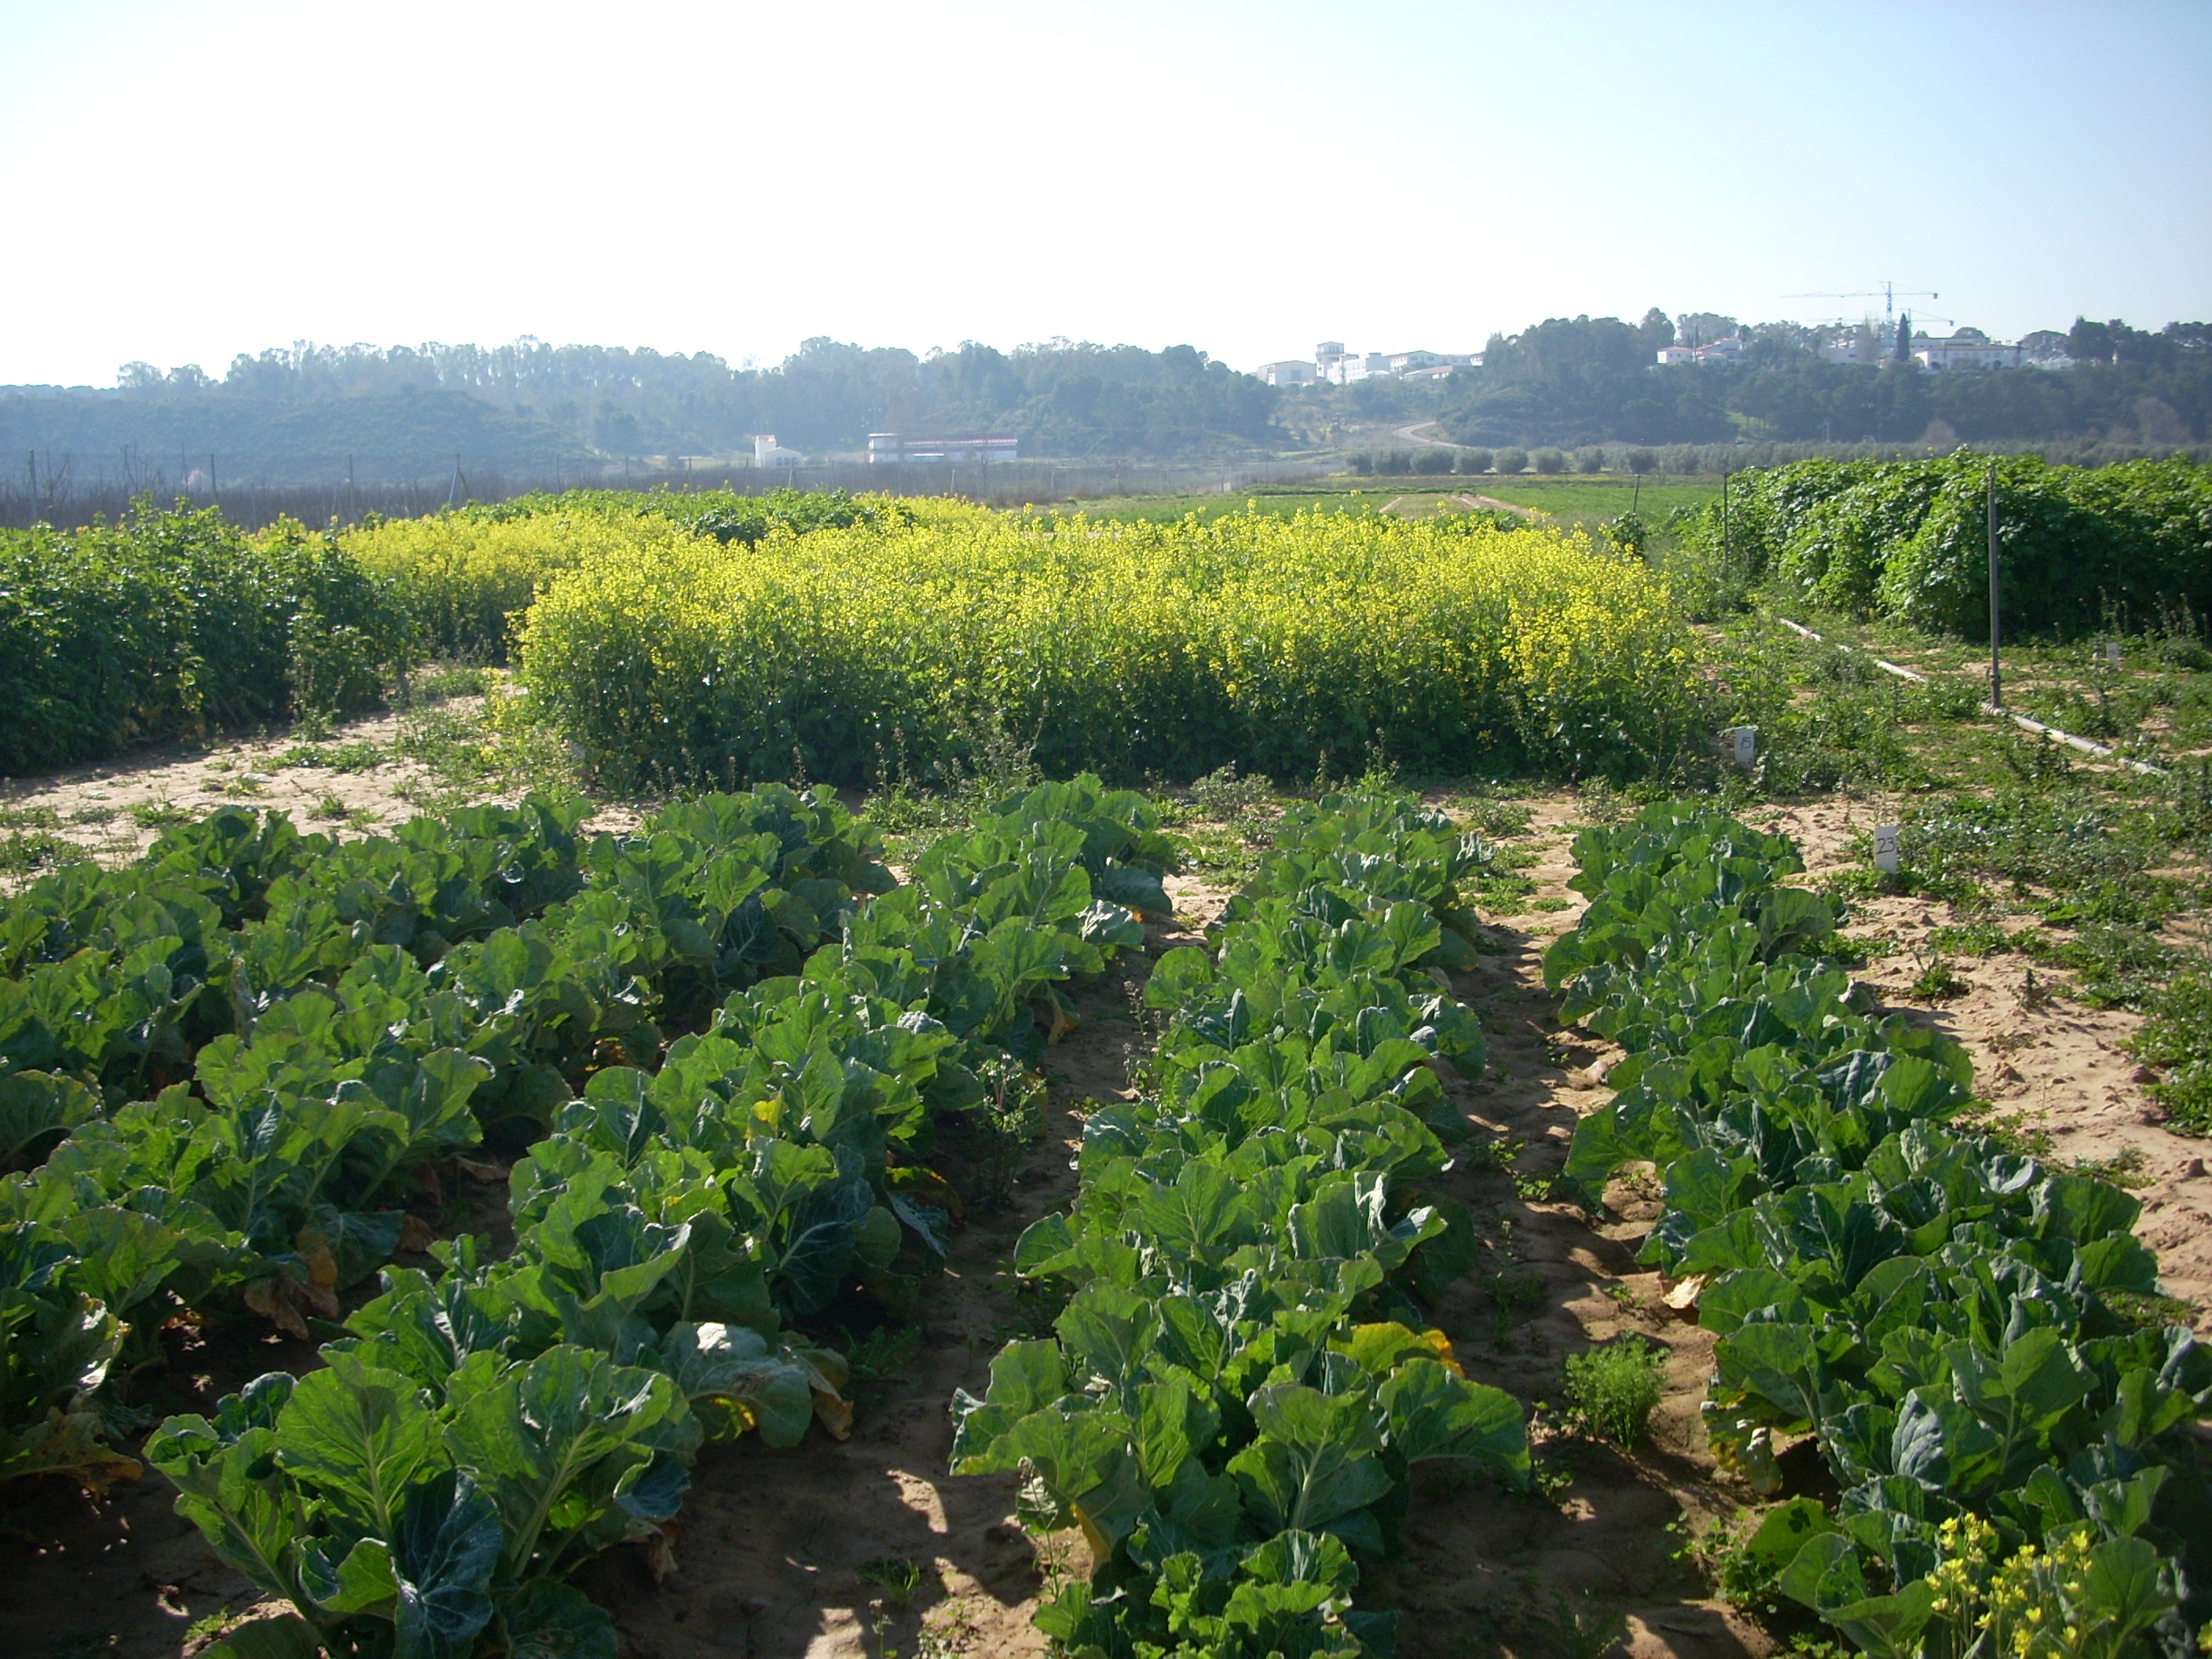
(1319, 643)
(1290, 1360)
(749, 1075)
(1972, 1342)
(726, 1046)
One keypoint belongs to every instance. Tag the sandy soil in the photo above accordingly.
(2053, 1062)
(771, 1559)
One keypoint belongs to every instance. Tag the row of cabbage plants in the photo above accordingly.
(1969, 1338)
(1242, 1379)
(726, 1041)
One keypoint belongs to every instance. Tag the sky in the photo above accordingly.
(187, 183)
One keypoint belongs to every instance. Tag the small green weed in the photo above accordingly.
(1613, 1390)
(336, 757)
(438, 684)
(25, 852)
(159, 815)
(1937, 979)
(1583, 1631)
(1229, 798)
(1984, 938)
(900, 1577)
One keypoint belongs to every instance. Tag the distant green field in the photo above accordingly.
(1170, 509)
(1573, 498)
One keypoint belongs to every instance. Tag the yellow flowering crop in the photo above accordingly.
(1281, 644)
(466, 574)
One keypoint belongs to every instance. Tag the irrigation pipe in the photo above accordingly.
(2021, 720)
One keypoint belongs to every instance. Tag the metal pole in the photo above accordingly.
(1996, 667)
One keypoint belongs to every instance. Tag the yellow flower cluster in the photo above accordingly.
(465, 575)
(1284, 644)
(2035, 1603)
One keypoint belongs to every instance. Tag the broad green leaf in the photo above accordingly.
(358, 1436)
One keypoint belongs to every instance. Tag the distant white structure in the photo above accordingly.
(1863, 346)
(891, 449)
(1965, 349)
(768, 452)
(1718, 351)
(1333, 365)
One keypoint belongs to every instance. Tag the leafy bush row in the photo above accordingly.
(1968, 1337)
(1283, 645)
(1240, 1382)
(1909, 540)
(673, 1223)
(170, 623)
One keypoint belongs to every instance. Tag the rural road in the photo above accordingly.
(1411, 435)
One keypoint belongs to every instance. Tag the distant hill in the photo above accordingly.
(1593, 379)
(392, 437)
(293, 414)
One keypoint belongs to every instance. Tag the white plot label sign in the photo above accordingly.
(1885, 848)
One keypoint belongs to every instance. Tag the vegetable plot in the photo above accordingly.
(1953, 1327)
(477, 1432)
(1242, 1379)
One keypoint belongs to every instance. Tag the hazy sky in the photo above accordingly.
(185, 182)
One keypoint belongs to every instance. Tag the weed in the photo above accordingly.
(1722, 1553)
(2146, 1312)
(23, 852)
(1511, 1294)
(331, 808)
(159, 815)
(360, 756)
(1229, 798)
(1612, 1390)
(1583, 1631)
(899, 1576)
(1984, 938)
(441, 683)
(1936, 979)
(29, 818)
(1499, 820)
(207, 1629)
(92, 815)
(874, 1361)
(1010, 1121)
(247, 786)
(1496, 1154)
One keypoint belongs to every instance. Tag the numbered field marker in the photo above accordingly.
(1746, 739)
(1885, 848)
(2113, 655)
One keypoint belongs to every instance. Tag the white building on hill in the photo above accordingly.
(1335, 366)
(1964, 349)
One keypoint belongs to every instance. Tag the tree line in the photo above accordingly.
(1569, 381)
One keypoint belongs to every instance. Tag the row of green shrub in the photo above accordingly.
(730, 1041)
(1240, 1381)
(1974, 1344)
(2079, 549)
(171, 623)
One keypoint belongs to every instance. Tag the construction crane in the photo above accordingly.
(1888, 291)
